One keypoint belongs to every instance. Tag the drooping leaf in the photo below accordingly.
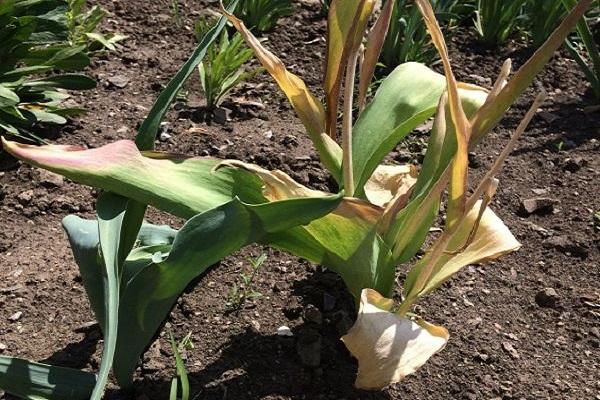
(180, 185)
(35, 381)
(389, 346)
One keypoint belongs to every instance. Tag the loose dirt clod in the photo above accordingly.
(537, 205)
(547, 298)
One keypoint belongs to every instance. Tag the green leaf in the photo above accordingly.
(183, 186)
(8, 98)
(405, 99)
(155, 275)
(35, 381)
(64, 81)
(117, 237)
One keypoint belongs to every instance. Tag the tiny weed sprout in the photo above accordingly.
(223, 67)
(238, 294)
(497, 19)
(380, 218)
(262, 15)
(181, 380)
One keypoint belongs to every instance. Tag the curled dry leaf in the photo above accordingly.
(390, 182)
(389, 346)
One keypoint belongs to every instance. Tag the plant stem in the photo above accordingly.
(347, 125)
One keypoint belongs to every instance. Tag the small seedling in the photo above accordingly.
(181, 377)
(222, 69)
(244, 291)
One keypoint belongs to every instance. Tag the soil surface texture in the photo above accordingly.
(524, 327)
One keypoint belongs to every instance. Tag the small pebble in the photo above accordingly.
(284, 331)
(16, 316)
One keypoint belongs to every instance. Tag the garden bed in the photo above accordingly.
(527, 326)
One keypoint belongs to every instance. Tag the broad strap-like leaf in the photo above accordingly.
(203, 240)
(405, 99)
(347, 22)
(183, 186)
(35, 381)
(116, 240)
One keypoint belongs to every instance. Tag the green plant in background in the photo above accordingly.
(33, 44)
(585, 43)
(497, 19)
(240, 293)
(176, 13)
(182, 378)
(83, 24)
(407, 38)
(543, 17)
(134, 272)
(223, 67)
(262, 15)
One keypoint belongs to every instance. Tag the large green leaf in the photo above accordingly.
(35, 381)
(155, 275)
(183, 186)
(405, 99)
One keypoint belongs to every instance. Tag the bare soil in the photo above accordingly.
(511, 335)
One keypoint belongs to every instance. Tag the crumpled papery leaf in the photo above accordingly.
(389, 182)
(388, 346)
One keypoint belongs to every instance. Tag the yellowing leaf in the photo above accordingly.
(278, 184)
(373, 50)
(309, 109)
(459, 174)
(491, 240)
(347, 22)
(388, 346)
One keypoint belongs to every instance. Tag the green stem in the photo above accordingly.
(347, 125)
